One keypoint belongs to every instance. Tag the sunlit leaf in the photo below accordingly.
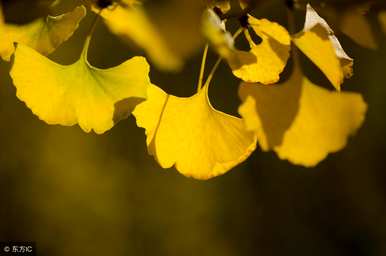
(189, 133)
(132, 23)
(44, 35)
(78, 93)
(318, 42)
(271, 54)
(264, 62)
(299, 120)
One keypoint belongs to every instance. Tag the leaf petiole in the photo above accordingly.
(202, 69)
(215, 66)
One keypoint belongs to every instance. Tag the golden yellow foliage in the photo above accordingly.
(78, 93)
(318, 42)
(214, 29)
(44, 35)
(133, 24)
(270, 55)
(299, 120)
(189, 133)
(264, 62)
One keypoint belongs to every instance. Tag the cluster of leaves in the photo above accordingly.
(300, 121)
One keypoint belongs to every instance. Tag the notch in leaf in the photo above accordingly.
(191, 135)
(78, 93)
(299, 120)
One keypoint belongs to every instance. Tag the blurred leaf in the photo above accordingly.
(355, 25)
(215, 31)
(44, 35)
(133, 23)
(178, 21)
(382, 20)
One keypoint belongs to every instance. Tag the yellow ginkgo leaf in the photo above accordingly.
(222, 41)
(318, 42)
(299, 120)
(264, 62)
(189, 133)
(78, 93)
(44, 35)
(271, 54)
(131, 23)
(382, 20)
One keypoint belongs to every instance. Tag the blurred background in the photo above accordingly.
(81, 194)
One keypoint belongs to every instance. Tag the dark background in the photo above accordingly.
(81, 194)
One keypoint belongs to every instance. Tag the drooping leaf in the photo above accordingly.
(318, 42)
(78, 93)
(299, 120)
(44, 35)
(189, 133)
(132, 23)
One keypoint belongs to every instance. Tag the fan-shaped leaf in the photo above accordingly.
(300, 121)
(189, 133)
(78, 93)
